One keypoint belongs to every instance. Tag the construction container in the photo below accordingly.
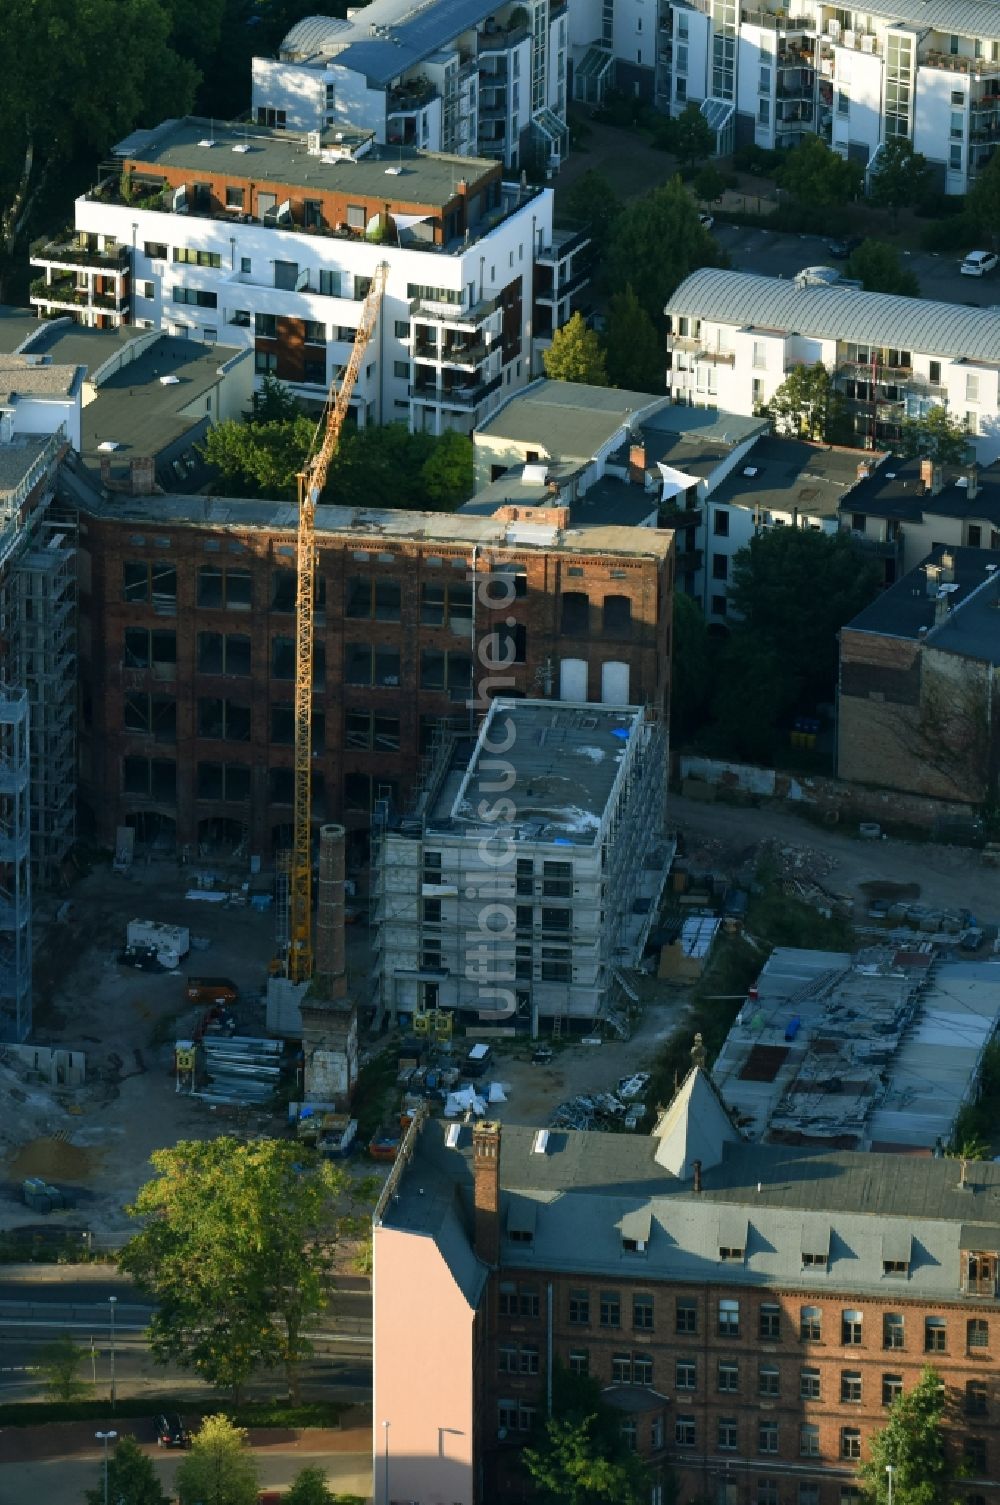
(170, 942)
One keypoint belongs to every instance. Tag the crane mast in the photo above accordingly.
(311, 480)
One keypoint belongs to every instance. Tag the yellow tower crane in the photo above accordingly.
(311, 480)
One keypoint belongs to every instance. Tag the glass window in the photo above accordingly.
(579, 1361)
(685, 1375)
(642, 1304)
(767, 1437)
(579, 1308)
(728, 1376)
(809, 1440)
(728, 1434)
(850, 1387)
(935, 1335)
(610, 1309)
(850, 1329)
(686, 1314)
(809, 1384)
(892, 1388)
(684, 1431)
(850, 1442)
(977, 1333)
(768, 1379)
(810, 1324)
(893, 1332)
(729, 1319)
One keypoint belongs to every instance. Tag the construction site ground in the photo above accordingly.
(97, 1139)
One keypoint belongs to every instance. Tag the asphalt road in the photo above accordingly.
(774, 254)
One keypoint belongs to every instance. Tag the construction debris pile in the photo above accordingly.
(616, 1110)
(236, 1069)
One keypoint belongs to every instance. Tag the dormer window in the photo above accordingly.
(733, 1230)
(521, 1215)
(635, 1230)
(895, 1267)
(814, 1261)
(727, 1252)
(897, 1250)
(979, 1273)
(816, 1247)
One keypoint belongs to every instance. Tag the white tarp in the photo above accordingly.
(497, 1094)
(459, 1103)
(674, 481)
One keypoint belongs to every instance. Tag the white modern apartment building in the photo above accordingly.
(733, 338)
(256, 237)
(519, 913)
(467, 76)
(771, 73)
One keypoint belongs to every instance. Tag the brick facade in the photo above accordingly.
(186, 653)
(765, 1412)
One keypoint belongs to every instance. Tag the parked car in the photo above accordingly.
(978, 263)
(705, 219)
(842, 246)
(171, 1432)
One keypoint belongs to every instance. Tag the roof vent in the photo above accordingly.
(206, 141)
(394, 172)
(750, 470)
(109, 445)
(241, 146)
(540, 1142)
(170, 381)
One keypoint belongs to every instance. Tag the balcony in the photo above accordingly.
(411, 96)
(453, 313)
(975, 67)
(465, 396)
(501, 41)
(687, 560)
(64, 292)
(467, 357)
(75, 251)
(979, 1285)
(769, 21)
(878, 548)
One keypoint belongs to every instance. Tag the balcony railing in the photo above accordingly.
(70, 252)
(66, 292)
(983, 1285)
(771, 22)
(454, 397)
(978, 67)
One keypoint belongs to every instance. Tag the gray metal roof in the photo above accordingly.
(314, 34)
(586, 1185)
(568, 419)
(408, 32)
(838, 313)
(969, 18)
(907, 609)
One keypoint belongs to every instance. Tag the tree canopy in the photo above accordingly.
(879, 268)
(794, 589)
(936, 436)
(818, 177)
(656, 242)
(914, 1444)
(235, 1248)
(984, 198)
(309, 1487)
(634, 352)
(219, 1469)
(594, 205)
(900, 176)
(688, 136)
(580, 1456)
(808, 406)
(690, 680)
(59, 1362)
(575, 355)
(132, 1479)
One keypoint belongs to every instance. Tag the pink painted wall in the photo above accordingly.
(423, 1336)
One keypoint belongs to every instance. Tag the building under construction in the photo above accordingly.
(519, 889)
(37, 701)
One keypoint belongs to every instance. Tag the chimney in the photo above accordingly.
(971, 482)
(486, 1180)
(105, 470)
(940, 607)
(141, 476)
(948, 567)
(637, 463)
(331, 971)
(698, 1053)
(930, 477)
(696, 1168)
(864, 470)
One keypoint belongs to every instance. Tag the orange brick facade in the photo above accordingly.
(186, 656)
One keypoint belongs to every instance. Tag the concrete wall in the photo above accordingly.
(424, 1335)
(293, 87)
(43, 415)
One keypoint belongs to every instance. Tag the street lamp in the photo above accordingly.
(385, 1480)
(105, 1437)
(890, 1468)
(112, 1303)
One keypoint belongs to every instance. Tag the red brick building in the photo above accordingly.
(187, 651)
(752, 1311)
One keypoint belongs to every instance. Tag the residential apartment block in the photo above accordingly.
(902, 511)
(919, 682)
(187, 651)
(257, 238)
(570, 865)
(471, 78)
(928, 70)
(733, 338)
(751, 1311)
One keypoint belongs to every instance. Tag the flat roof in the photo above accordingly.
(391, 173)
(22, 377)
(971, 582)
(787, 475)
(896, 491)
(569, 419)
(368, 528)
(16, 325)
(138, 407)
(839, 313)
(17, 457)
(839, 1049)
(566, 760)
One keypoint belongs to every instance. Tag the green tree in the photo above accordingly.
(594, 205)
(751, 694)
(690, 137)
(689, 675)
(900, 176)
(657, 241)
(309, 1487)
(575, 355)
(236, 1249)
(794, 589)
(132, 1479)
(709, 184)
(984, 198)
(259, 458)
(579, 1456)
(59, 1363)
(634, 353)
(446, 474)
(879, 269)
(273, 403)
(49, 123)
(808, 405)
(219, 1469)
(914, 1445)
(935, 436)
(818, 177)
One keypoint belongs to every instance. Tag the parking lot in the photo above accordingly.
(775, 254)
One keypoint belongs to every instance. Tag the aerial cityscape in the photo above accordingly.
(499, 753)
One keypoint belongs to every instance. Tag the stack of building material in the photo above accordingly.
(239, 1069)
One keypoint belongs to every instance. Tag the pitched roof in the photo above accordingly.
(839, 313)
(694, 1127)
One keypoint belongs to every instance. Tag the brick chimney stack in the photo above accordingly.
(972, 482)
(931, 477)
(637, 463)
(486, 1178)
